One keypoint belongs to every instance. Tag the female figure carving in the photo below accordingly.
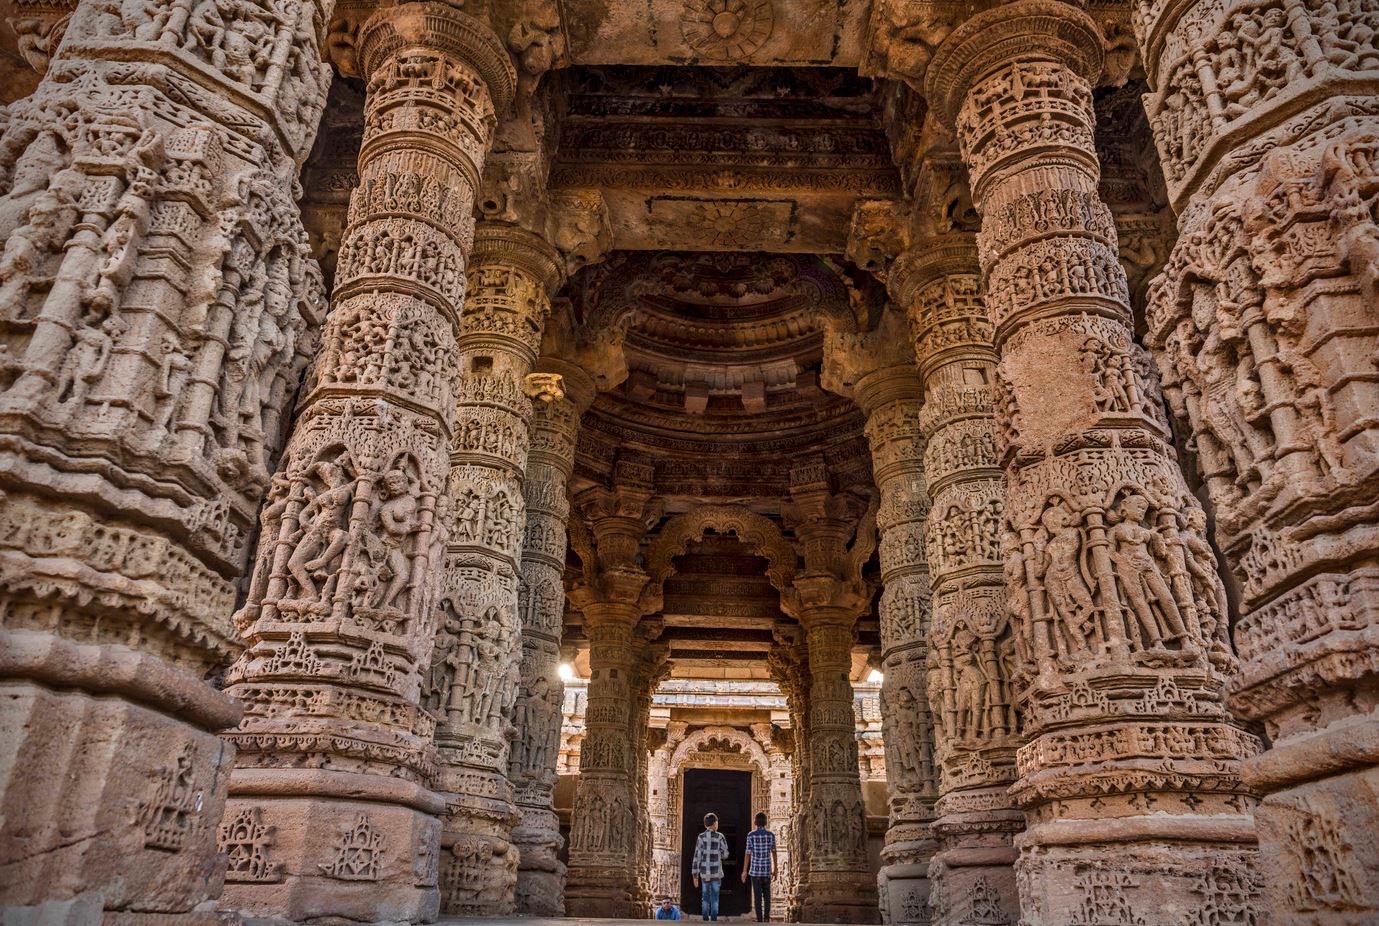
(1135, 554)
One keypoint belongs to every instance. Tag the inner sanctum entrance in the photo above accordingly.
(728, 794)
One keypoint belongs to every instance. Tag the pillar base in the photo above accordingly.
(839, 897)
(540, 872)
(322, 858)
(602, 894)
(1138, 870)
(904, 893)
(478, 872)
(108, 805)
(973, 874)
(1320, 860)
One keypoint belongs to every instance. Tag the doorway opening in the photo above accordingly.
(728, 794)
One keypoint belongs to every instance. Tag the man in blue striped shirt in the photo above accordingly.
(761, 864)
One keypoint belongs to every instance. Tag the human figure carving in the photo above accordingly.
(85, 363)
(1136, 553)
(398, 520)
(1069, 596)
(973, 686)
(323, 535)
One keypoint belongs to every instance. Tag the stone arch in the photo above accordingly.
(705, 735)
(758, 532)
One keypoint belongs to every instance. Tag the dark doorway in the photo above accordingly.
(728, 794)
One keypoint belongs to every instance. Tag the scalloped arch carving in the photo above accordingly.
(702, 737)
(758, 532)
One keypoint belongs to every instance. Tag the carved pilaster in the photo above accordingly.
(1265, 330)
(972, 653)
(341, 618)
(880, 375)
(1104, 545)
(157, 308)
(835, 537)
(541, 607)
(511, 275)
(606, 841)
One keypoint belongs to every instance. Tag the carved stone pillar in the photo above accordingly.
(157, 308)
(1131, 777)
(789, 667)
(826, 599)
(603, 831)
(512, 274)
(1265, 328)
(972, 655)
(536, 745)
(839, 886)
(336, 757)
(649, 667)
(606, 826)
(877, 370)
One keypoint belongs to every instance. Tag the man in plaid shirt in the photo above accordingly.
(707, 865)
(761, 864)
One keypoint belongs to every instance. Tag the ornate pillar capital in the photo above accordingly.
(512, 245)
(996, 39)
(444, 29)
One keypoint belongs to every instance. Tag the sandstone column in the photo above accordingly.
(1264, 324)
(536, 744)
(877, 371)
(512, 274)
(157, 308)
(331, 795)
(789, 667)
(1131, 777)
(605, 825)
(972, 653)
(827, 599)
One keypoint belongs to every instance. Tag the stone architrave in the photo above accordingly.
(511, 276)
(1130, 780)
(877, 371)
(827, 597)
(535, 748)
(336, 752)
(158, 305)
(1264, 327)
(606, 825)
(972, 644)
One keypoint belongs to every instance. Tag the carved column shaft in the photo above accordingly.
(839, 885)
(511, 276)
(336, 751)
(972, 654)
(603, 831)
(891, 399)
(1120, 644)
(535, 749)
(1265, 326)
(157, 308)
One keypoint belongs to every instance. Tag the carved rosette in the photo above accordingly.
(157, 308)
(972, 656)
(1264, 326)
(1115, 591)
(342, 614)
(511, 275)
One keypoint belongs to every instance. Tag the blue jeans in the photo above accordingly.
(708, 898)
